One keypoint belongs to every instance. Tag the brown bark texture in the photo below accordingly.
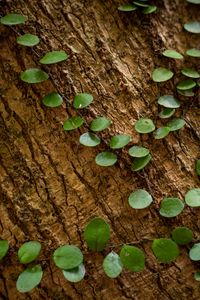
(50, 186)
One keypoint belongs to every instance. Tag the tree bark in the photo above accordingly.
(50, 185)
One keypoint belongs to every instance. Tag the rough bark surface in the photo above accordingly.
(50, 185)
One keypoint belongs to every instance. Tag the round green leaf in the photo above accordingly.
(197, 168)
(29, 251)
(106, 159)
(166, 113)
(140, 162)
(186, 93)
(168, 101)
(144, 125)
(67, 257)
(175, 124)
(190, 73)
(34, 75)
(53, 57)
(132, 258)
(75, 274)
(52, 100)
(172, 54)
(28, 40)
(89, 139)
(171, 207)
(193, 27)
(149, 10)
(186, 84)
(194, 253)
(162, 74)
(100, 124)
(82, 100)
(119, 141)
(4, 246)
(193, 52)
(29, 279)
(194, 1)
(73, 123)
(13, 19)
(192, 197)
(137, 151)
(182, 235)
(127, 7)
(97, 234)
(161, 133)
(140, 199)
(112, 265)
(197, 275)
(165, 250)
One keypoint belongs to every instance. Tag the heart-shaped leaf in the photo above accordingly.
(119, 141)
(161, 133)
(182, 235)
(75, 274)
(144, 125)
(176, 124)
(127, 7)
(193, 52)
(194, 253)
(171, 207)
(28, 40)
(168, 101)
(100, 124)
(166, 113)
(29, 279)
(82, 100)
(192, 197)
(132, 258)
(4, 246)
(67, 257)
(34, 75)
(29, 251)
(137, 151)
(165, 250)
(13, 19)
(193, 27)
(162, 74)
(52, 100)
(89, 139)
(140, 162)
(140, 199)
(53, 57)
(149, 10)
(112, 265)
(190, 73)
(172, 54)
(106, 159)
(73, 123)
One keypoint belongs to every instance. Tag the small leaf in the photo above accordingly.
(144, 125)
(166, 113)
(119, 141)
(141, 162)
(182, 235)
(194, 1)
(172, 54)
(127, 7)
(168, 101)
(161, 133)
(89, 139)
(82, 100)
(106, 159)
(190, 73)
(186, 93)
(171, 207)
(137, 151)
(97, 234)
(132, 258)
(193, 52)
(73, 123)
(141, 3)
(162, 74)
(193, 27)
(29, 279)
(140, 199)
(13, 19)
(67, 257)
(197, 275)
(75, 274)
(165, 250)
(149, 10)
(34, 75)
(28, 40)
(53, 57)
(112, 265)
(194, 253)
(186, 84)
(176, 124)
(4, 246)
(192, 197)
(52, 100)
(100, 124)
(29, 251)
(197, 168)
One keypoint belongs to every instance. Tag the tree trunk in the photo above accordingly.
(50, 185)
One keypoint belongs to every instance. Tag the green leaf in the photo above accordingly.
(73, 123)
(13, 19)
(194, 253)
(82, 100)
(161, 133)
(182, 235)
(166, 113)
(34, 75)
(29, 279)
(97, 234)
(194, 1)
(168, 101)
(52, 100)
(171, 207)
(132, 258)
(149, 10)
(186, 93)
(176, 124)
(140, 162)
(127, 7)
(106, 159)
(140, 199)
(144, 125)
(100, 124)
(28, 40)
(112, 265)
(186, 84)
(193, 52)
(54, 57)
(140, 3)
(193, 27)
(162, 74)
(75, 274)
(192, 197)
(137, 151)
(190, 73)
(29, 251)
(172, 54)
(165, 250)
(89, 139)
(4, 246)
(197, 275)
(119, 141)
(67, 257)
(198, 167)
